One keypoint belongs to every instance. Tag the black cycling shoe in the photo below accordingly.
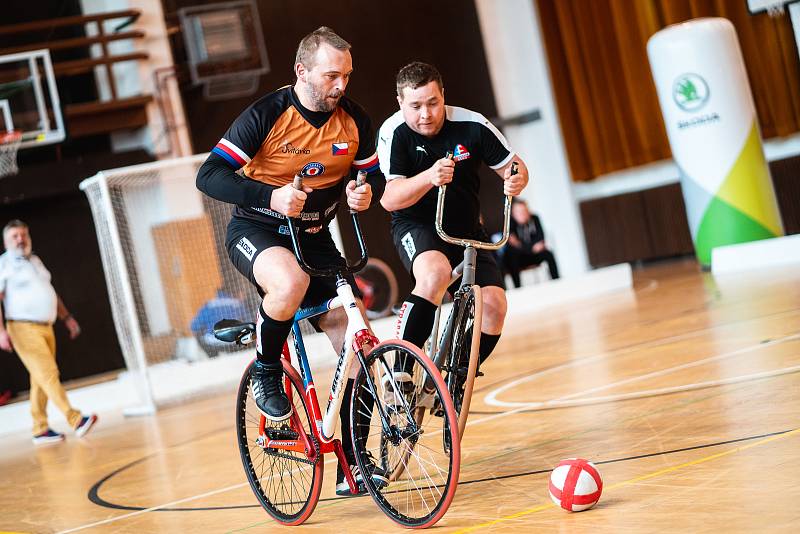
(266, 385)
(379, 478)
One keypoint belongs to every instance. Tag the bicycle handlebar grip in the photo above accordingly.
(361, 179)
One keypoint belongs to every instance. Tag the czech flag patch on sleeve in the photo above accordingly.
(234, 155)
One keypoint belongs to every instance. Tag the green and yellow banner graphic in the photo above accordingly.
(713, 132)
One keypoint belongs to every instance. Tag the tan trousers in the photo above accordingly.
(36, 346)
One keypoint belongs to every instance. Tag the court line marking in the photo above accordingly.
(526, 406)
(641, 345)
(236, 486)
(637, 346)
(469, 422)
(628, 482)
(154, 508)
(565, 401)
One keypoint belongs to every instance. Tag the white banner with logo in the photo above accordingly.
(713, 131)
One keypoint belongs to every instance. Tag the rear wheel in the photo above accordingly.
(286, 483)
(378, 286)
(421, 492)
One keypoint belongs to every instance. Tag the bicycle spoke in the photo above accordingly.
(420, 467)
(284, 481)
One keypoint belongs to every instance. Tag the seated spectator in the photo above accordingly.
(526, 246)
(223, 306)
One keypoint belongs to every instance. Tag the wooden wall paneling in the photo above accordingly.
(668, 227)
(786, 177)
(616, 229)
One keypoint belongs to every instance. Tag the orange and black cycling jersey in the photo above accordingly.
(276, 138)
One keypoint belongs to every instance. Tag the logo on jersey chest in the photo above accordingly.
(340, 149)
(289, 148)
(460, 153)
(313, 169)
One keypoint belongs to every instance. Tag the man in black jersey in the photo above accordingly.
(311, 129)
(412, 145)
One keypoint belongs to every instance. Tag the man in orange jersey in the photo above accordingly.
(310, 129)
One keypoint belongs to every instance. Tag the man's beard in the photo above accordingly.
(20, 252)
(321, 100)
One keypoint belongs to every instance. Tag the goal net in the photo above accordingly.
(169, 279)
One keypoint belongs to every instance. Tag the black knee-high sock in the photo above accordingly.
(487, 345)
(344, 421)
(271, 336)
(415, 320)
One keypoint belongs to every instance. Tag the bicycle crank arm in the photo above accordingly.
(277, 454)
(273, 446)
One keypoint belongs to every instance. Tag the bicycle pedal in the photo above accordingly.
(462, 372)
(284, 433)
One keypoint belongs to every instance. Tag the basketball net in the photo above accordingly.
(776, 10)
(9, 144)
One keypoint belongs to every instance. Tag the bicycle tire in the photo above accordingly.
(423, 495)
(269, 464)
(468, 309)
(380, 275)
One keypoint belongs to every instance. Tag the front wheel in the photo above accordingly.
(287, 484)
(388, 425)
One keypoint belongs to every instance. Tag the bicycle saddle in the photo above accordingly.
(231, 330)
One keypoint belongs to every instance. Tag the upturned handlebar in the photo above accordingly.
(330, 271)
(462, 241)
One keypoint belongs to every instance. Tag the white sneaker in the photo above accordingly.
(379, 478)
(403, 384)
(427, 398)
(48, 436)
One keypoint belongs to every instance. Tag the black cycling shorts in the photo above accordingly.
(247, 238)
(412, 239)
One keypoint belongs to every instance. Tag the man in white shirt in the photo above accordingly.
(31, 307)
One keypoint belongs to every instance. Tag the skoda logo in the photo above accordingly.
(690, 92)
(313, 169)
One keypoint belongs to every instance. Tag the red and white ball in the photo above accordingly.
(575, 484)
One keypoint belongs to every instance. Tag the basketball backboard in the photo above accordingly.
(771, 6)
(225, 45)
(29, 98)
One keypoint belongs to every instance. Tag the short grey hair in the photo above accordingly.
(310, 44)
(13, 223)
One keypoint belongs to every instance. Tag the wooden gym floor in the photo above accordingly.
(685, 392)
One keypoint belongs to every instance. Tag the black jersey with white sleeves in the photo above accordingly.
(470, 137)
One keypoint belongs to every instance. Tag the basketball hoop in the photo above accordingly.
(774, 8)
(9, 144)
